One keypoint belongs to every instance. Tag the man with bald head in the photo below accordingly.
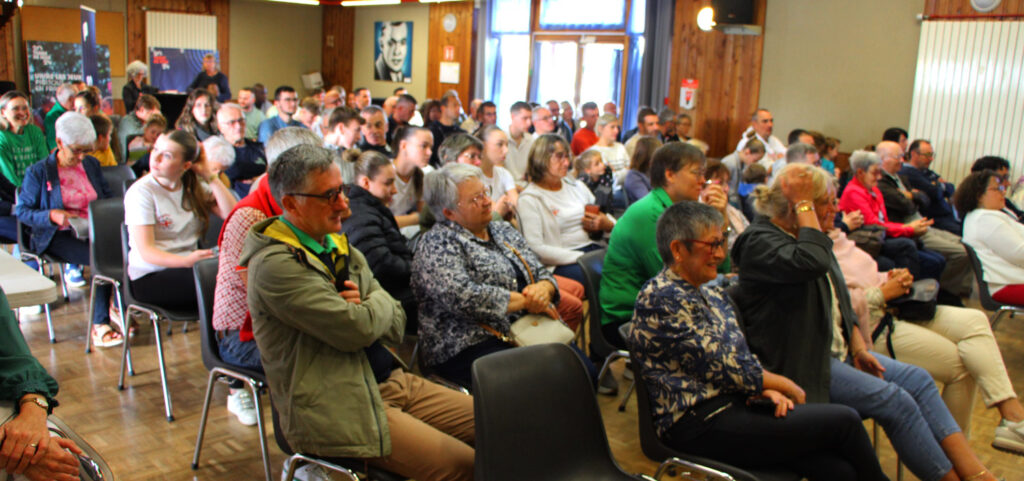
(761, 126)
(903, 204)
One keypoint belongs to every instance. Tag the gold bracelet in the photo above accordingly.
(976, 476)
(803, 206)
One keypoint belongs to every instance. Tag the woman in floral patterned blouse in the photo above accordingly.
(709, 394)
(472, 277)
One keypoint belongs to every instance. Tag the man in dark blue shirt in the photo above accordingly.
(919, 175)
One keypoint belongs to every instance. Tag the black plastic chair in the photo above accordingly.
(209, 239)
(592, 264)
(105, 215)
(205, 272)
(671, 459)
(126, 184)
(347, 467)
(42, 262)
(155, 313)
(116, 175)
(537, 419)
(999, 309)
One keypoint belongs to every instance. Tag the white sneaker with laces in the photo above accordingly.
(240, 404)
(1010, 437)
(306, 472)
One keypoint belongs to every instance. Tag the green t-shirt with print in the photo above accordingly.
(18, 152)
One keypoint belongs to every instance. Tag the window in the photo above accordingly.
(566, 50)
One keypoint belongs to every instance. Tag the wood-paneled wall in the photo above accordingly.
(728, 68)
(339, 37)
(61, 25)
(7, 48)
(461, 39)
(963, 7)
(135, 19)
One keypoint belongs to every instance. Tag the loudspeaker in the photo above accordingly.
(733, 11)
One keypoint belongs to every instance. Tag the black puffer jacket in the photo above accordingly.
(372, 229)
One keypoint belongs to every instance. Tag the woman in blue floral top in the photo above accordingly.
(709, 394)
(472, 277)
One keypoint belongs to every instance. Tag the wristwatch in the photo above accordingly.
(38, 400)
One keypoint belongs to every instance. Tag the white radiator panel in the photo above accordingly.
(181, 30)
(968, 98)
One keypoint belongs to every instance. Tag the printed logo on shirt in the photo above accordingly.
(164, 221)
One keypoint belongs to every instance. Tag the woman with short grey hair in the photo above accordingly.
(54, 202)
(461, 148)
(472, 277)
(136, 73)
(705, 383)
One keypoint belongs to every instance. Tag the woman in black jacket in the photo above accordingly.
(372, 229)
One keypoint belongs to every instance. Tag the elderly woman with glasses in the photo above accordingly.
(56, 193)
(557, 213)
(710, 394)
(994, 233)
(799, 321)
(472, 277)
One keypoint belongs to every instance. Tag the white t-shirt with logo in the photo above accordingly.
(175, 229)
(500, 183)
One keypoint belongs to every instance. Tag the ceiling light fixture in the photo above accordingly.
(368, 3)
(300, 2)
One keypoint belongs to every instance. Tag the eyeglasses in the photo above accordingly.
(1000, 188)
(926, 154)
(478, 200)
(713, 245)
(235, 121)
(79, 151)
(331, 196)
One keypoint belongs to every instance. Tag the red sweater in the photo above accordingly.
(871, 204)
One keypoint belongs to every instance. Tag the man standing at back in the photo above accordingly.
(323, 326)
(560, 125)
(519, 140)
(401, 114)
(447, 125)
(761, 125)
(585, 137)
(286, 102)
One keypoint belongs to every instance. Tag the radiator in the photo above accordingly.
(181, 30)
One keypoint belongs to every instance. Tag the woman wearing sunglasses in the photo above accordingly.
(167, 211)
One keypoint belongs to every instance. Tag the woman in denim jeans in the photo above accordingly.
(799, 322)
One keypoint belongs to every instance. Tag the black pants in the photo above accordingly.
(173, 289)
(817, 441)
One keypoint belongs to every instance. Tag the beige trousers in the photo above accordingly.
(431, 429)
(958, 349)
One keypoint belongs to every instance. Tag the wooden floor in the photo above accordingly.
(129, 429)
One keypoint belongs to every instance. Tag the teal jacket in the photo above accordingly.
(21, 373)
(312, 342)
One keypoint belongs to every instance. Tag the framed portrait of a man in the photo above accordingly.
(392, 52)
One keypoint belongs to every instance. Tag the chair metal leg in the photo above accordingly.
(202, 419)
(163, 368)
(689, 469)
(92, 309)
(263, 429)
(126, 319)
(49, 323)
(184, 327)
(625, 398)
(63, 281)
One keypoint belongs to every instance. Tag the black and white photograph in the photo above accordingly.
(392, 52)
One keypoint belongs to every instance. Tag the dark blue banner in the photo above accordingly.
(174, 68)
(90, 66)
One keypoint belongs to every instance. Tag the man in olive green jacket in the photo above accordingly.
(323, 325)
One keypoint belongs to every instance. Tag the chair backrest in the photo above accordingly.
(126, 184)
(105, 215)
(592, 264)
(126, 285)
(115, 176)
(205, 273)
(983, 294)
(537, 418)
(212, 232)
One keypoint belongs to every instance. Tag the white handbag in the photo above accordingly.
(540, 329)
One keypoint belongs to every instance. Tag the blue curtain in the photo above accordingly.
(633, 79)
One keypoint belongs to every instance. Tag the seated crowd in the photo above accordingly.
(758, 289)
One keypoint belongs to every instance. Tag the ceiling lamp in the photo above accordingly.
(706, 19)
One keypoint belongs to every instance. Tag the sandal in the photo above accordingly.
(104, 336)
(117, 320)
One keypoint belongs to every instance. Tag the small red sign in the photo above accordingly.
(449, 53)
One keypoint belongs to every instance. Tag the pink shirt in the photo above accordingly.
(75, 190)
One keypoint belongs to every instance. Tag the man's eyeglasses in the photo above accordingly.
(1000, 188)
(331, 196)
(718, 244)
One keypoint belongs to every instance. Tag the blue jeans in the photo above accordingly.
(573, 271)
(907, 405)
(68, 248)
(242, 354)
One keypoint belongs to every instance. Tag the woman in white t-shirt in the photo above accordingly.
(414, 146)
(557, 213)
(504, 194)
(613, 153)
(167, 211)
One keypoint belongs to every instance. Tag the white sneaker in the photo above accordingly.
(1010, 437)
(30, 310)
(240, 404)
(306, 472)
